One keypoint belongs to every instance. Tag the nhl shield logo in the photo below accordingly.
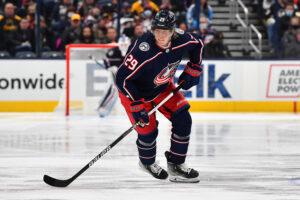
(144, 46)
(179, 31)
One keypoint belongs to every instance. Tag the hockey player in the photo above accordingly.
(145, 78)
(113, 59)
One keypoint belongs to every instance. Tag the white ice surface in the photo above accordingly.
(239, 157)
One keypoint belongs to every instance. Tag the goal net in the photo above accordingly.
(87, 80)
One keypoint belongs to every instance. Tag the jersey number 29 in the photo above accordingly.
(132, 62)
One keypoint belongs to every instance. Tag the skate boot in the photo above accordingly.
(155, 170)
(180, 172)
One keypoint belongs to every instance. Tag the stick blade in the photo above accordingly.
(56, 182)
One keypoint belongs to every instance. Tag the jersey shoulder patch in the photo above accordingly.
(144, 46)
(179, 31)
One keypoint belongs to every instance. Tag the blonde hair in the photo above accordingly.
(175, 35)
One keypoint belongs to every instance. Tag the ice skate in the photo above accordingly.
(155, 170)
(181, 173)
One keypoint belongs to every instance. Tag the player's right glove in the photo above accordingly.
(139, 112)
(190, 75)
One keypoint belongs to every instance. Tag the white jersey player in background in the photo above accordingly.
(113, 59)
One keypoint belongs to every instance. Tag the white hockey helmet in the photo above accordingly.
(124, 43)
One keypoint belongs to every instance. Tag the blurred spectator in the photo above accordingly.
(86, 36)
(293, 49)
(64, 6)
(269, 19)
(111, 35)
(214, 47)
(267, 4)
(146, 18)
(126, 20)
(16, 3)
(64, 22)
(86, 6)
(109, 9)
(284, 20)
(269, 10)
(138, 7)
(9, 21)
(50, 10)
(205, 11)
(107, 20)
(31, 14)
(48, 37)
(72, 33)
(126, 10)
(26, 3)
(22, 38)
(166, 4)
(127, 26)
(93, 18)
(114, 7)
(138, 32)
(289, 35)
(101, 29)
(179, 8)
(183, 26)
(263, 7)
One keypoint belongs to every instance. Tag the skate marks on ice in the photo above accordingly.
(238, 157)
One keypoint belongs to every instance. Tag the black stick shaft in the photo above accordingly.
(63, 183)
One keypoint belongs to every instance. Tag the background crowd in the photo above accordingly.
(64, 22)
(287, 37)
(94, 21)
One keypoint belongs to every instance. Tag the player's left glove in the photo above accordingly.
(190, 75)
(139, 113)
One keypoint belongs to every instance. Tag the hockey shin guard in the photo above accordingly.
(180, 136)
(146, 145)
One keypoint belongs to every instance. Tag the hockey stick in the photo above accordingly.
(63, 183)
(92, 57)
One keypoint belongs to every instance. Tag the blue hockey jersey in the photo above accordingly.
(147, 68)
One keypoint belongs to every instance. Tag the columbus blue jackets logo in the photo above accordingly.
(166, 74)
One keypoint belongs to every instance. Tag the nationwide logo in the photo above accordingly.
(166, 74)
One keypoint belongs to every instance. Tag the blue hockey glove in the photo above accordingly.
(139, 113)
(190, 75)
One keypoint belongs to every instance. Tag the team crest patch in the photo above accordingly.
(144, 46)
(179, 31)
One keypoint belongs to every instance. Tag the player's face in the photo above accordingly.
(162, 36)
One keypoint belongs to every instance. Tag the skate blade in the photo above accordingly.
(178, 179)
